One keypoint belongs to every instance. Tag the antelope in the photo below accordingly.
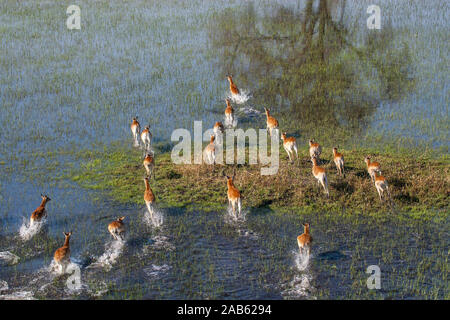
(304, 240)
(146, 137)
(149, 197)
(135, 130)
(40, 211)
(315, 149)
(320, 174)
(233, 88)
(382, 186)
(62, 255)
(218, 128)
(234, 196)
(290, 145)
(229, 113)
(149, 165)
(272, 123)
(339, 161)
(372, 167)
(117, 228)
(210, 151)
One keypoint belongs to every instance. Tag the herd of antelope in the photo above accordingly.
(117, 228)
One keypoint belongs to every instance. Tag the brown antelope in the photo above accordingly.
(304, 240)
(149, 197)
(117, 228)
(149, 165)
(146, 137)
(339, 161)
(320, 174)
(382, 187)
(62, 255)
(210, 151)
(135, 129)
(218, 128)
(40, 211)
(234, 196)
(229, 113)
(372, 167)
(315, 149)
(290, 145)
(233, 88)
(272, 123)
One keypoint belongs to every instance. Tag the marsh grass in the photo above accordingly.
(419, 187)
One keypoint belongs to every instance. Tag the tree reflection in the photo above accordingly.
(301, 63)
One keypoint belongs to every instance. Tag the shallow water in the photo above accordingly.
(66, 91)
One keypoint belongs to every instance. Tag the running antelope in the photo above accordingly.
(315, 149)
(229, 113)
(149, 197)
(146, 137)
(272, 123)
(210, 151)
(320, 174)
(304, 240)
(290, 145)
(62, 255)
(382, 187)
(233, 88)
(372, 167)
(135, 129)
(234, 196)
(149, 165)
(339, 161)
(40, 211)
(218, 128)
(117, 228)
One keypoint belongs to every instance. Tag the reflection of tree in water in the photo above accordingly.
(302, 64)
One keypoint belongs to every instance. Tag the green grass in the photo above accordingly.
(419, 186)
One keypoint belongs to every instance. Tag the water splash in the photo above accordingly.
(113, 251)
(154, 217)
(301, 284)
(3, 286)
(240, 98)
(230, 124)
(154, 271)
(301, 260)
(19, 295)
(8, 258)
(29, 229)
(232, 218)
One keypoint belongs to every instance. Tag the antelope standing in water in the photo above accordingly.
(149, 197)
(372, 167)
(321, 176)
(272, 123)
(135, 129)
(149, 165)
(234, 196)
(146, 138)
(210, 151)
(315, 149)
(382, 187)
(290, 145)
(229, 114)
(62, 255)
(40, 211)
(233, 88)
(339, 161)
(117, 228)
(304, 240)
